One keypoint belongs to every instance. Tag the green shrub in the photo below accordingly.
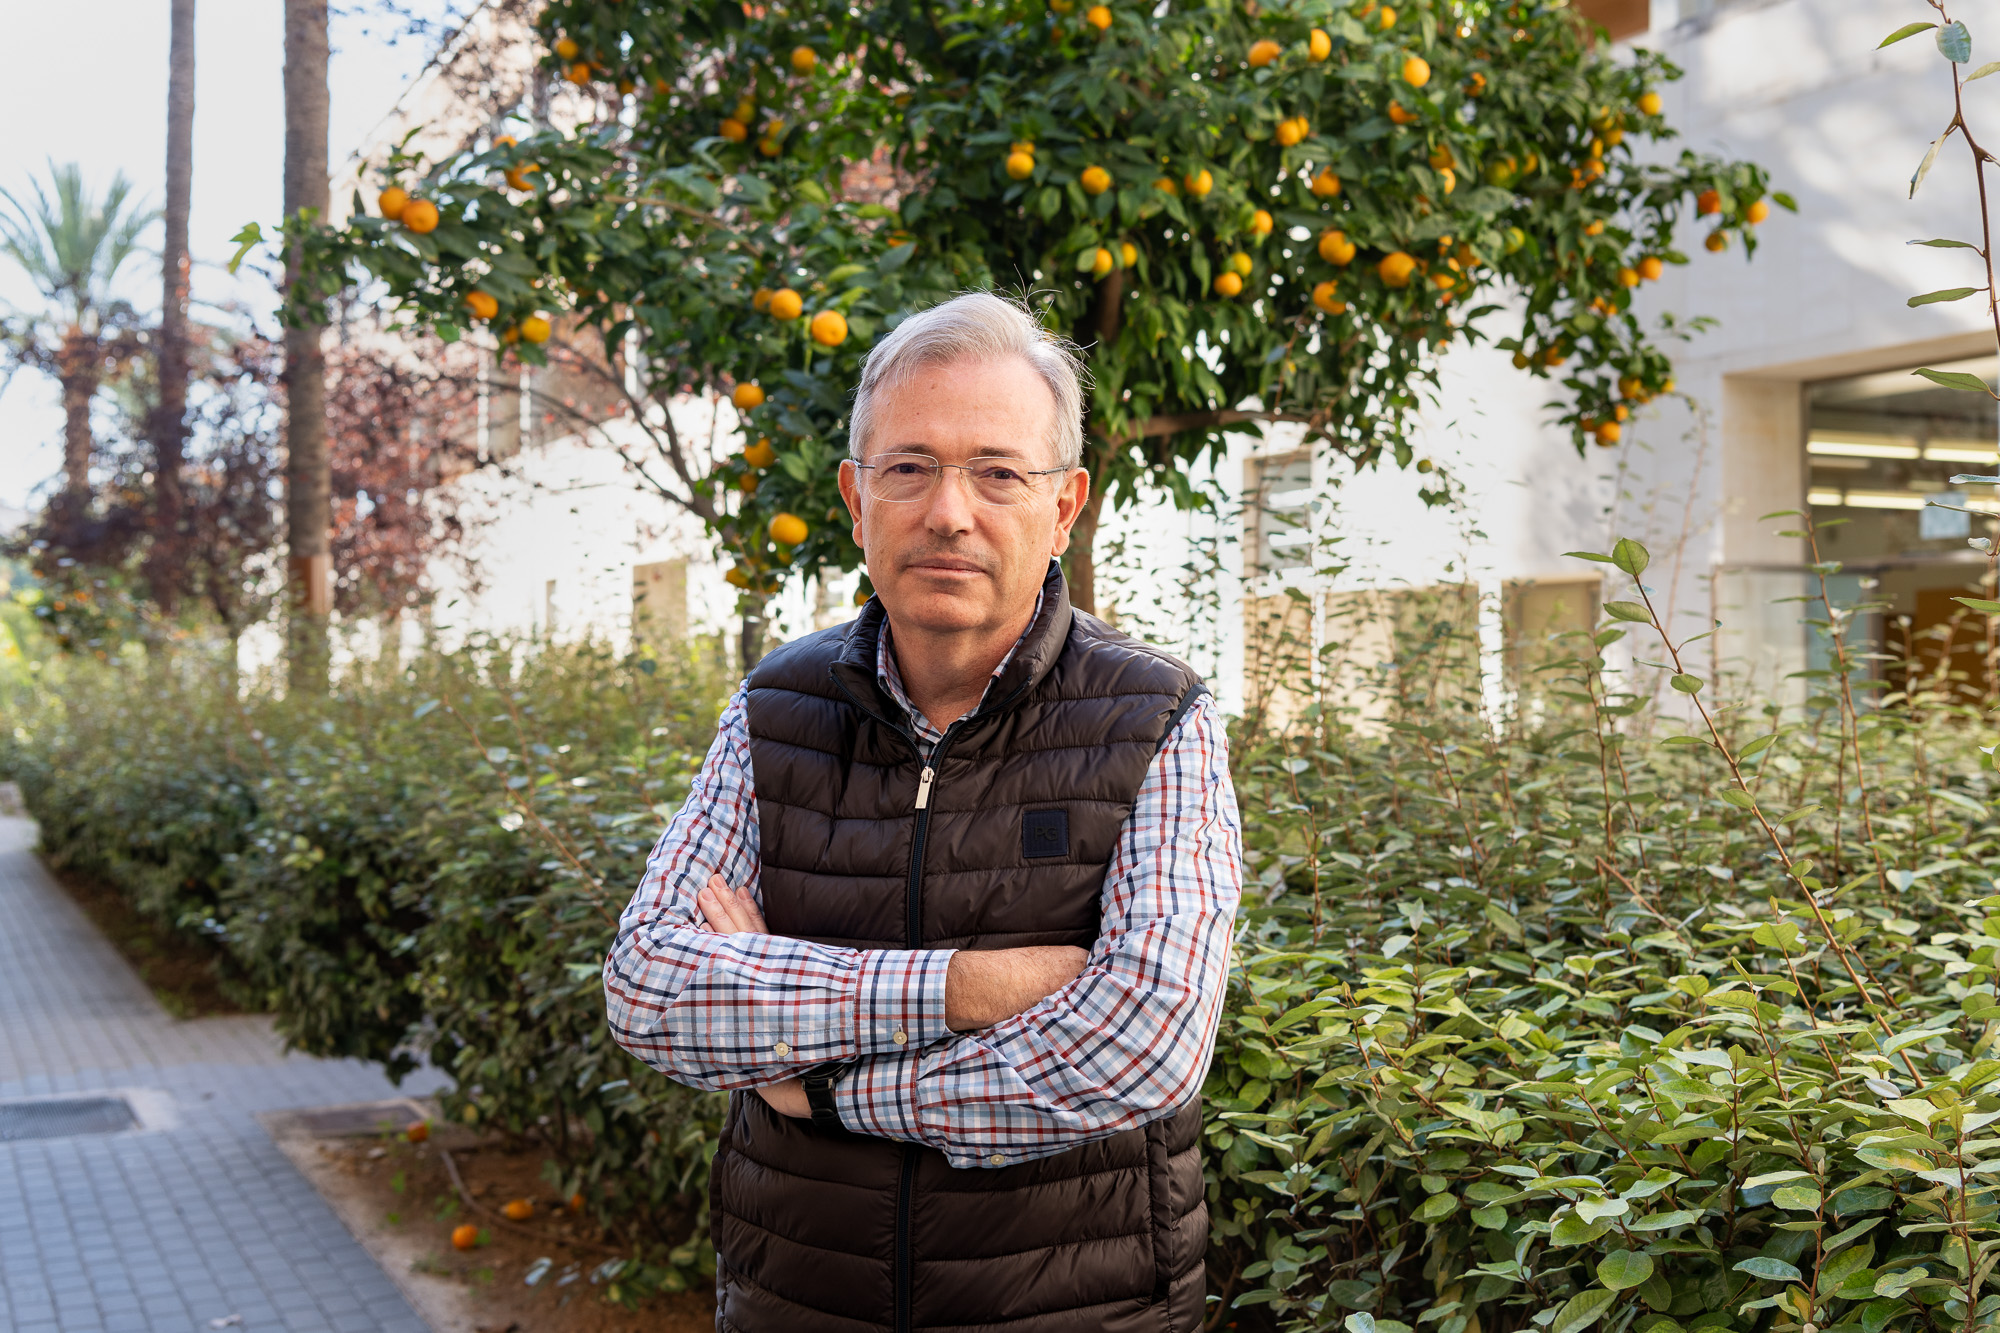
(1554, 1025)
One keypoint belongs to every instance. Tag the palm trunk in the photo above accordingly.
(77, 371)
(308, 483)
(169, 424)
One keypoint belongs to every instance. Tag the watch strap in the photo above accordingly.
(818, 1082)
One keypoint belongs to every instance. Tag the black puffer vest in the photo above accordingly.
(820, 1230)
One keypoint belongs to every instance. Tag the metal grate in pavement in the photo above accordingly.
(360, 1119)
(47, 1118)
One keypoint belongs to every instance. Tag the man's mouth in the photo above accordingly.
(944, 565)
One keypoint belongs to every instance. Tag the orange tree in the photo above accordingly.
(1245, 213)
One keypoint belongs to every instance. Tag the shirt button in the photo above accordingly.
(900, 1037)
(996, 1160)
(781, 1050)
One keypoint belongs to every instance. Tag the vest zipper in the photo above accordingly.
(904, 1189)
(913, 892)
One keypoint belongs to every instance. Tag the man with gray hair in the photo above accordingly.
(948, 908)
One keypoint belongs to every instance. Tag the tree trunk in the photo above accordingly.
(169, 423)
(77, 370)
(1080, 561)
(308, 482)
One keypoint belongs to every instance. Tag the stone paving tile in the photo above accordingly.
(161, 1230)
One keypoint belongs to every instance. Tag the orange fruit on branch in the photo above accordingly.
(761, 454)
(391, 202)
(1416, 71)
(788, 529)
(1396, 268)
(1242, 263)
(1318, 45)
(1757, 212)
(1628, 277)
(535, 329)
(1128, 253)
(578, 74)
(760, 300)
(1717, 242)
(1708, 201)
(746, 111)
(566, 49)
(1326, 185)
(1335, 248)
(1098, 17)
(1261, 224)
(786, 304)
(1101, 262)
(1651, 267)
(1198, 183)
(804, 59)
(829, 328)
(482, 304)
(1020, 165)
(1264, 52)
(1401, 115)
(747, 483)
(747, 396)
(1293, 131)
(518, 1210)
(1649, 104)
(1095, 180)
(1607, 432)
(518, 176)
(420, 216)
(1387, 19)
(1323, 297)
(1228, 284)
(734, 130)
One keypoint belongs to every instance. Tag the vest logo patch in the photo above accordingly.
(1045, 833)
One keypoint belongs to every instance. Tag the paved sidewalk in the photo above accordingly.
(167, 1229)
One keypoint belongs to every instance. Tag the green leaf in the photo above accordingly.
(1625, 1269)
(1797, 1198)
(1580, 1312)
(1954, 43)
(1686, 684)
(1954, 379)
(1771, 1270)
(1436, 1208)
(1898, 1282)
(1587, 555)
(1737, 797)
(246, 239)
(1983, 70)
(1941, 295)
(1979, 604)
(1630, 556)
(1628, 611)
(1940, 242)
(1907, 30)
(1924, 169)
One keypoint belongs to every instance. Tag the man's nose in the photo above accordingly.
(951, 506)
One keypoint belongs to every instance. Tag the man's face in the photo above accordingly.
(953, 563)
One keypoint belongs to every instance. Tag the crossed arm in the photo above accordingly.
(992, 1056)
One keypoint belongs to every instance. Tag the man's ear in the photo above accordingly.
(851, 494)
(1072, 494)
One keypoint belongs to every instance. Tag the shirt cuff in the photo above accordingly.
(899, 1000)
(879, 1098)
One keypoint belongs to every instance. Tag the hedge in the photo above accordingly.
(1555, 1023)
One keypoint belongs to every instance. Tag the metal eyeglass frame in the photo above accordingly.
(937, 470)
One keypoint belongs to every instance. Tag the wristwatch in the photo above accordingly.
(818, 1082)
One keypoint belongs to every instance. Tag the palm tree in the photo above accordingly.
(71, 244)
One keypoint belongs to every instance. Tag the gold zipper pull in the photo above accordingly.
(924, 786)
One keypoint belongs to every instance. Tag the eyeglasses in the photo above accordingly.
(913, 479)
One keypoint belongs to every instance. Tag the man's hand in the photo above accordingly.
(985, 986)
(728, 911)
(787, 1098)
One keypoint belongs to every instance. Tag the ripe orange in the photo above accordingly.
(1228, 284)
(1260, 224)
(1128, 253)
(518, 1210)
(1476, 85)
(1628, 277)
(1441, 158)
(420, 216)
(737, 577)
(535, 329)
(1101, 262)
(1396, 268)
(1242, 263)
(1416, 71)
(1323, 297)
(578, 74)
(1649, 104)
(418, 1131)
(761, 454)
(1631, 386)
(1335, 248)
(1098, 17)
(1022, 146)
(1444, 279)
(1608, 432)
(1757, 212)
(786, 304)
(735, 130)
(1326, 185)
(746, 111)
(1621, 411)
(1165, 185)
(1387, 19)
(1318, 45)
(566, 49)
(1401, 116)
(518, 176)
(483, 306)
(1595, 227)
(464, 1236)
(1291, 131)
(747, 483)
(390, 202)
(747, 396)
(1449, 179)
(1095, 180)
(1651, 267)
(1264, 52)
(1520, 360)
(760, 300)
(1708, 201)
(1553, 357)
(769, 147)
(1198, 183)
(804, 59)
(1020, 165)
(788, 530)
(1717, 241)
(829, 328)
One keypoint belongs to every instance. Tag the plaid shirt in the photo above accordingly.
(1125, 1043)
